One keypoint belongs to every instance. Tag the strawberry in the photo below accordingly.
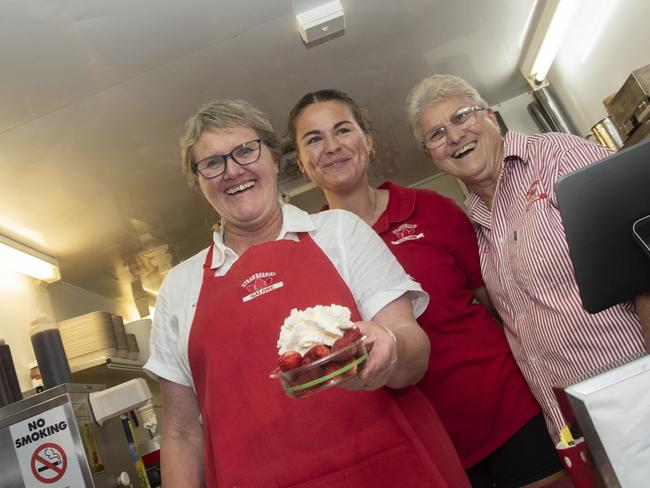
(329, 368)
(310, 374)
(342, 356)
(352, 335)
(349, 337)
(317, 351)
(290, 360)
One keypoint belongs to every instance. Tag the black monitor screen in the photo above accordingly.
(599, 206)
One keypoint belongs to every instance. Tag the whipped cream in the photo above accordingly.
(315, 325)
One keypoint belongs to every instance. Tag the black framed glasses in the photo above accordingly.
(213, 166)
(463, 119)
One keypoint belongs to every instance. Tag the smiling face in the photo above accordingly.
(475, 154)
(245, 196)
(332, 148)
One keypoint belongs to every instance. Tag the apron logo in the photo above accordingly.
(259, 284)
(406, 232)
(532, 195)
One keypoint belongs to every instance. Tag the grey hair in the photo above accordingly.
(433, 89)
(224, 114)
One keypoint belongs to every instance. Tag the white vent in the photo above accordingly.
(322, 21)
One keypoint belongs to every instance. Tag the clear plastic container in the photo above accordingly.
(50, 355)
(325, 373)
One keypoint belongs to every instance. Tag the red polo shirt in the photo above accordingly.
(472, 379)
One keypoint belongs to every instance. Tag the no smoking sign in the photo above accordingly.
(46, 450)
(49, 463)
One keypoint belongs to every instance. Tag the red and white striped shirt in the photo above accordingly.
(528, 272)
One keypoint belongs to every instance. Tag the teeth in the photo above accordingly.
(336, 162)
(463, 149)
(244, 186)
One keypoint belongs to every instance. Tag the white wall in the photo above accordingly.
(608, 39)
(70, 301)
(446, 185)
(23, 298)
(514, 113)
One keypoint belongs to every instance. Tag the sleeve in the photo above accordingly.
(569, 154)
(370, 270)
(581, 153)
(164, 345)
(464, 246)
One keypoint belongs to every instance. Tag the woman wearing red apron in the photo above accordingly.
(217, 323)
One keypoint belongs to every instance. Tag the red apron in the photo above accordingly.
(255, 436)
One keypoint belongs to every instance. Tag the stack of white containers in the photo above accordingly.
(88, 337)
(99, 335)
(120, 337)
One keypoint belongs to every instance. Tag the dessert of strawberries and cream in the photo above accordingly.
(319, 347)
(303, 329)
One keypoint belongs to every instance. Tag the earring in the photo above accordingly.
(302, 170)
(371, 154)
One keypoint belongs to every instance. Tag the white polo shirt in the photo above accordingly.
(367, 266)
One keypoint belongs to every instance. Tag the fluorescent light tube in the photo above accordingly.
(551, 30)
(25, 260)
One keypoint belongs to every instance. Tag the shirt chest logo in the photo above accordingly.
(533, 194)
(406, 232)
(259, 284)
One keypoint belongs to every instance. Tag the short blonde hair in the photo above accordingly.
(433, 89)
(224, 114)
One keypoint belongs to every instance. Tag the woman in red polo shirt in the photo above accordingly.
(472, 379)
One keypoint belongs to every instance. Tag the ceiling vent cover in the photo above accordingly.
(322, 21)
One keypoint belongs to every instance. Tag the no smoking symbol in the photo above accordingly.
(49, 463)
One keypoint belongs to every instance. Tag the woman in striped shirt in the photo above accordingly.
(524, 254)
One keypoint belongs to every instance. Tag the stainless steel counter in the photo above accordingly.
(51, 439)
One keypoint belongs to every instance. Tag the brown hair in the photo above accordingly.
(327, 95)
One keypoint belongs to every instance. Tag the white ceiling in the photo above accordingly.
(95, 94)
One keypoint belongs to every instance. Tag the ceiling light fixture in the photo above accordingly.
(23, 259)
(550, 31)
(322, 21)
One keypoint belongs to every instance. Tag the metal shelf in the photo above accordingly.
(108, 371)
(110, 362)
(111, 371)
